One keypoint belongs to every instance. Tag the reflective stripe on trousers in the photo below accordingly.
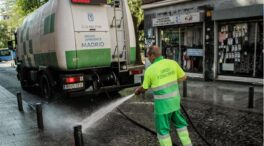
(184, 136)
(164, 140)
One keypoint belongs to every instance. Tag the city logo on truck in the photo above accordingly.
(90, 17)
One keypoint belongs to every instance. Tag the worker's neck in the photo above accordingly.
(158, 59)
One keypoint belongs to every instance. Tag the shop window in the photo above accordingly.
(259, 52)
(236, 49)
(192, 49)
(170, 43)
(184, 45)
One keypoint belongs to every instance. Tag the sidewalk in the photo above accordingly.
(20, 128)
(8, 64)
(16, 128)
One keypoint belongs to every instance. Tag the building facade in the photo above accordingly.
(210, 39)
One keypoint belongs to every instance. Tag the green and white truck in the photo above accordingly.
(78, 47)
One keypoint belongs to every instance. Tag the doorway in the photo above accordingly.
(184, 44)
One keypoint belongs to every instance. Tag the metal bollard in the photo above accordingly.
(184, 88)
(19, 102)
(251, 97)
(39, 116)
(78, 137)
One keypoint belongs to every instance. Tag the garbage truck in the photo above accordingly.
(77, 47)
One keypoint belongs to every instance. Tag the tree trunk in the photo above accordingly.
(138, 50)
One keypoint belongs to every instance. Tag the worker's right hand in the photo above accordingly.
(138, 91)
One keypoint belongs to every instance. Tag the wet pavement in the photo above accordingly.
(217, 109)
(226, 94)
(16, 128)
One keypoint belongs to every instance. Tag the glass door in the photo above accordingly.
(258, 73)
(191, 40)
(184, 45)
(170, 43)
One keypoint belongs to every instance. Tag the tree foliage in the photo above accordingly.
(4, 34)
(16, 10)
(137, 12)
(28, 6)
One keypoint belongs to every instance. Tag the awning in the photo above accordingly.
(238, 12)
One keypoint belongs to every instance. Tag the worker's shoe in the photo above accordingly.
(165, 140)
(184, 136)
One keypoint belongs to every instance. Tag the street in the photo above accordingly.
(131, 73)
(220, 123)
(61, 115)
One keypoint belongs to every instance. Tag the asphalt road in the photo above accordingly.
(62, 114)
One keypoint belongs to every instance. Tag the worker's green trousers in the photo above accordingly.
(162, 123)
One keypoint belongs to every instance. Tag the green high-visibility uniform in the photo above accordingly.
(162, 77)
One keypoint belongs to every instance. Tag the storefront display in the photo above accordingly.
(210, 40)
(170, 43)
(233, 53)
(185, 45)
(236, 49)
(259, 52)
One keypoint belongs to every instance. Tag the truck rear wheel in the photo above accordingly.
(22, 72)
(24, 86)
(45, 87)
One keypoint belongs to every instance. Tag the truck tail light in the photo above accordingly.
(135, 72)
(73, 79)
(90, 2)
(81, 1)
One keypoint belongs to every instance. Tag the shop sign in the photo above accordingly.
(177, 19)
(168, 20)
(194, 52)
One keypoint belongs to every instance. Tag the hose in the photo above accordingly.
(138, 124)
(195, 129)
(133, 121)
(153, 132)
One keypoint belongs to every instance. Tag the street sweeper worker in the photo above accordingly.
(162, 77)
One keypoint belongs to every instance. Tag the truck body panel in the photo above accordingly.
(72, 36)
(77, 47)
